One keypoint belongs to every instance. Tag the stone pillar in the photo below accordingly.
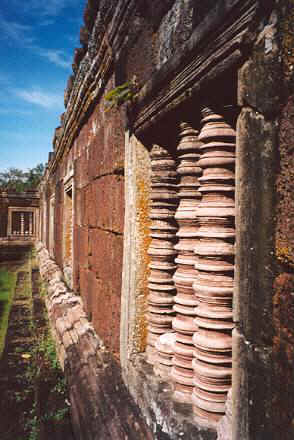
(22, 223)
(31, 223)
(215, 265)
(185, 301)
(161, 250)
(9, 223)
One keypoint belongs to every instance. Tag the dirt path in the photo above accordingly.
(32, 388)
(16, 394)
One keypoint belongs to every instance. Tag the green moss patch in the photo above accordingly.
(7, 286)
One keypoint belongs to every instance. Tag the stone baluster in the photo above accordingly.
(162, 254)
(31, 223)
(22, 223)
(185, 301)
(214, 253)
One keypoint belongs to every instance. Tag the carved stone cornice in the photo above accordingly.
(214, 46)
(93, 71)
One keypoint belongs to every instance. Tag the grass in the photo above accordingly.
(7, 286)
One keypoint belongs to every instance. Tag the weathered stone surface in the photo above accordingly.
(264, 244)
(175, 28)
(104, 204)
(256, 166)
(285, 188)
(101, 406)
(129, 37)
(252, 402)
(263, 96)
(224, 428)
(283, 356)
(167, 419)
(104, 285)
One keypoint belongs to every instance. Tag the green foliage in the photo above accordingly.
(17, 180)
(126, 92)
(43, 357)
(46, 349)
(7, 285)
(44, 368)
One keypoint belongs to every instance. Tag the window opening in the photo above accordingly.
(51, 225)
(20, 222)
(189, 314)
(68, 234)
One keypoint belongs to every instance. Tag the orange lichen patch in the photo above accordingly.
(143, 224)
(285, 188)
(68, 230)
(283, 354)
(284, 254)
(283, 302)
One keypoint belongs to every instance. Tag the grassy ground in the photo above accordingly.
(7, 286)
(33, 393)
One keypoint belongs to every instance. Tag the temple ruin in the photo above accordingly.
(165, 232)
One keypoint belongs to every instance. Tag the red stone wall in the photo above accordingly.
(98, 160)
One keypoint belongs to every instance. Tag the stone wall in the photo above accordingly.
(264, 269)
(182, 55)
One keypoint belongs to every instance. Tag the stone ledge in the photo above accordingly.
(167, 419)
(101, 406)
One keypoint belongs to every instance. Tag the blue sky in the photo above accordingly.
(37, 40)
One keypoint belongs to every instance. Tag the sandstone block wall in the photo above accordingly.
(182, 54)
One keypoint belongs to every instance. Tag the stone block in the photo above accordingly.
(105, 285)
(107, 209)
(254, 91)
(84, 288)
(83, 249)
(255, 212)
(106, 136)
(252, 390)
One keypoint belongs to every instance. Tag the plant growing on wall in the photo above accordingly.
(122, 94)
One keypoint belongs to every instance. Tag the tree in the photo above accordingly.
(34, 176)
(17, 180)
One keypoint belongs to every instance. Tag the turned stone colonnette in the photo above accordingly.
(164, 200)
(214, 253)
(185, 301)
(191, 281)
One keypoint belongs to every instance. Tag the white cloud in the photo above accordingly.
(21, 35)
(15, 32)
(39, 97)
(13, 111)
(57, 57)
(44, 8)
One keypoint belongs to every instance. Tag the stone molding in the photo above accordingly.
(92, 74)
(214, 47)
(198, 61)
